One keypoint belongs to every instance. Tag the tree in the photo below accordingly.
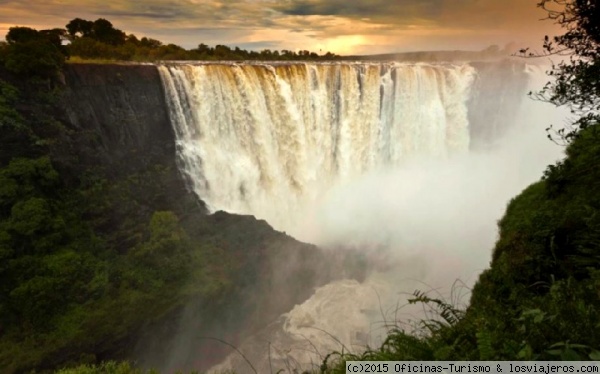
(203, 48)
(80, 27)
(56, 36)
(21, 35)
(577, 75)
(34, 53)
(150, 43)
(103, 31)
(222, 51)
(17, 35)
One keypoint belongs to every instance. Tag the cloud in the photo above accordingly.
(399, 11)
(365, 25)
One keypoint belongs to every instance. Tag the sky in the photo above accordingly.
(346, 27)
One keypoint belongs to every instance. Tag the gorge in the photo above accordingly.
(174, 208)
(409, 164)
(397, 171)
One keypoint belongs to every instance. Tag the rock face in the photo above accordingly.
(496, 96)
(120, 128)
(121, 113)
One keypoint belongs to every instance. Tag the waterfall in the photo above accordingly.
(271, 139)
(411, 164)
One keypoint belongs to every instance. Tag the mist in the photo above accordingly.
(442, 210)
(428, 225)
(425, 221)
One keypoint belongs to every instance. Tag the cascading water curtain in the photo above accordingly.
(268, 140)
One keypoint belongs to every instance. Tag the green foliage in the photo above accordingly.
(79, 27)
(41, 54)
(99, 40)
(577, 82)
(542, 287)
(85, 261)
(90, 48)
(539, 299)
(449, 314)
(31, 53)
(110, 367)
(100, 30)
(90, 255)
(9, 116)
(103, 31)
(34, 58)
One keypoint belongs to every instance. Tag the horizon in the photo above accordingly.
(361, 28)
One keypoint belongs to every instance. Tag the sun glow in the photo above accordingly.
(343, 44)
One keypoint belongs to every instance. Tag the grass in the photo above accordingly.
(99, 61)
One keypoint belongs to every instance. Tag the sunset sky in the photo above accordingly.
(339, 26)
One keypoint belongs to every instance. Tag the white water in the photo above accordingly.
(272, 140)
(368, 156)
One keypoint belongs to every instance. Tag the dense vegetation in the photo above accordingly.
(30, 50)
(89, 257)
(95, 253)
(539, 300)
(73, 281)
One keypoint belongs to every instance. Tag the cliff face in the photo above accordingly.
(120, 112)
(120, 130)
(497, 94)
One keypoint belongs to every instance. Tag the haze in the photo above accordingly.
(338, 26)
(428, 225)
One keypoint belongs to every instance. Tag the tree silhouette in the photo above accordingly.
(100, 30)
(80, 27)
(577, 75)
(103, 31)
(34, 53)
